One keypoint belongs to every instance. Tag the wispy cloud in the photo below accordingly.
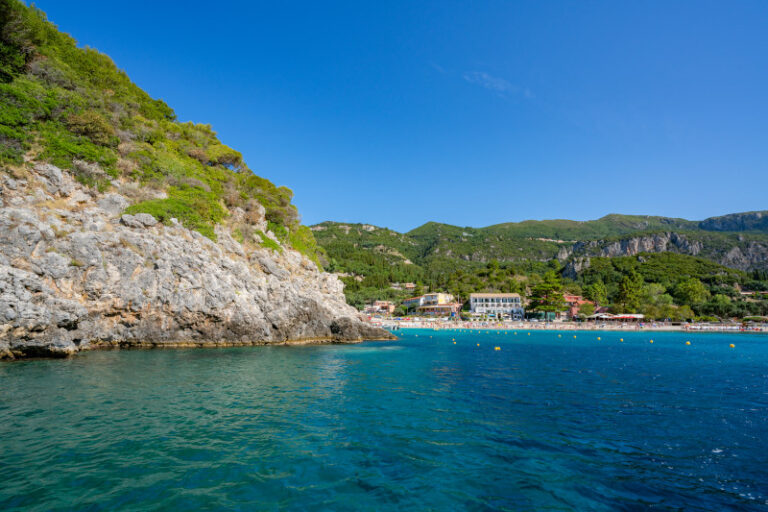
(495, 84)
(489, 82)
(437, 67)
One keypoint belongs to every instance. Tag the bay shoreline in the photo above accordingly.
(570, 326)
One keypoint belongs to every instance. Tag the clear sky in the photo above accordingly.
(469, 113)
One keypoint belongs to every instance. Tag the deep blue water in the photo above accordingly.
(545, 423)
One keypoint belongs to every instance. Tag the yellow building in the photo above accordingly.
(438, 304)
(437, 299)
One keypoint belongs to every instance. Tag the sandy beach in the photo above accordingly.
(412, 323)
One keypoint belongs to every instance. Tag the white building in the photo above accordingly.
(496, 304)
(413, 302)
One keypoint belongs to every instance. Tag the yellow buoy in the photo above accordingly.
(598, 338)
(529, 334)
(621, 340)
(687, 342)
(651, 341)
(732, 345)
(496, 348)
(559, 335)
(574, 335)
(454, 342)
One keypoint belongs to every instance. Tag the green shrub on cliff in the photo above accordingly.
(60, 103)
(193, 207)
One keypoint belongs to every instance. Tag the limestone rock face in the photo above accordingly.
(747, 255)
(749, 221)
(76, 274)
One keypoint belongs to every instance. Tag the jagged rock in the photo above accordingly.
(749, 256)
(140, 220)
(54, 178)
(146, 219)
(563, 253)
(79, 197)
(113, 204)
(347, 328)
(72, 279)
(574, 267)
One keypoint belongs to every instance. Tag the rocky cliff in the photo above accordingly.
(748, 221)
(76, 273)
(739, 252)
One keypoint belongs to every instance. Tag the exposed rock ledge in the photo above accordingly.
(76, 274)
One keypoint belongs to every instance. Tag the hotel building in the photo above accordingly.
(496, 304)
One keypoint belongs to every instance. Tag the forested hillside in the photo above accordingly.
(513, 257)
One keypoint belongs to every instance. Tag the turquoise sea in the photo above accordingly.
(544, 423)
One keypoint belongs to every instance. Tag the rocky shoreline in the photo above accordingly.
(77, 274)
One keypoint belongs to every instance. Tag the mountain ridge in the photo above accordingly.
(756, 220)
(438, 247)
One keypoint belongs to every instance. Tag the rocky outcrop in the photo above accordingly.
(77, 274)
(657, 242)
(738, 253)
(752, 255)
(748, 221)
(575, 266)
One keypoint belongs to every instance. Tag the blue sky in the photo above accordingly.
(469, 113)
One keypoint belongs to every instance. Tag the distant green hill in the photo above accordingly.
(737, 240)
(442, 256)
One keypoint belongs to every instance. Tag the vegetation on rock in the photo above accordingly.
(74, 107)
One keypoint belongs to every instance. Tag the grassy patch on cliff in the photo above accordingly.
(268, 242)
(193, 207)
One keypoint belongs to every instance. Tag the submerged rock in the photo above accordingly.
(77, 274)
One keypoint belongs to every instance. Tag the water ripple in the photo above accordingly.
(411, 425)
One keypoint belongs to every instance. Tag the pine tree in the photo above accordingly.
(630, 290)
(547, 296)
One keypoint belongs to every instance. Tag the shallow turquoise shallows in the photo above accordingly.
(543, 423)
